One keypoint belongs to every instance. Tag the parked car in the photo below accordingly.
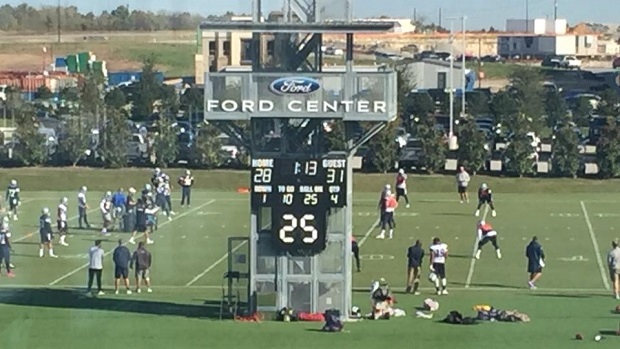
(616, 63)
(551, 62)
(411, 154)
(570, 62)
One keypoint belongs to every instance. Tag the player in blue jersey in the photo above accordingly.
(46, 233)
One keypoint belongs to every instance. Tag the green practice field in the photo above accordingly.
(44, 305)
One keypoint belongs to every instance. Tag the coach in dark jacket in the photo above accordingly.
(121, 258)
(415, 256)
(535, 261)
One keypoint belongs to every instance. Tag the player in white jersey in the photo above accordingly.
(439, 254)
(82, 209)
(401, 186)
(105, 206)
(61, 220)
(167, 196)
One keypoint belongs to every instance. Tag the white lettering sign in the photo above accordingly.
(297, 106)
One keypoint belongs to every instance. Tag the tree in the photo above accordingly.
(115, 99)
(472, 151)
(384, 152)
(91, 95)
(527, 90)
(608, 150)
(148, 89)
(555, 109)
(582, 112)
(114, 138)
(72, 147)
(504, 107)
(165, 145)
(433, 154)
(417, 105)
(518, 154)
(609, 104)
(566, 157)
(209, 147)
(334, 132)
(31, 144)
(43, 93)
(477, 104)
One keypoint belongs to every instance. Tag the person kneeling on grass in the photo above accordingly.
(382, 300)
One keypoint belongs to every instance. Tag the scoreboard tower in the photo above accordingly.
(299, 246)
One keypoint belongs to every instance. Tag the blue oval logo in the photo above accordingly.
(294, 86)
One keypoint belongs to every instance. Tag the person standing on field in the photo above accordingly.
(186, 181)
(142, 261)
(121, 258)
(415, 256)
(613, 261)
(462, 182)
(95, 268)
(535, 261)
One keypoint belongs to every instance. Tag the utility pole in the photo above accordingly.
(527, 16)
(463, 80)
(451, 129)
(440, 17)
(555, 10)
(59, 25)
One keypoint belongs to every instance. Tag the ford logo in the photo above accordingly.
(294, 86)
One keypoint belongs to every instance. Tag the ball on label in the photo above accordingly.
(598, 337)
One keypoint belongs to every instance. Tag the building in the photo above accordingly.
(539, 26)
(541, 37)
(539, 46)
(431, 74)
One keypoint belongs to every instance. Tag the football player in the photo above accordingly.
(401, 186)
(83, 209)
(387, 215)
(439, 254)
(12, 198)
(105, 206)
(487, 234)
(485, 196)
(167, 196)
(6, 227)
(45, 231)
(5, 249)
(61, 220)
(158, 174)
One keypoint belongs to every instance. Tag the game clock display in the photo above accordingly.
(320, 182)
(299, 229)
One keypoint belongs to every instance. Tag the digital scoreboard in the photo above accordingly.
(300, 193)
(308, 182)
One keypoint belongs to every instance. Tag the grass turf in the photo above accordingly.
(43, 306)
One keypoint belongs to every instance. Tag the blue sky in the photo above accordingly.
(480, 13)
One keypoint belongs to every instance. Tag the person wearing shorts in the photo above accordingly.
(141, 261)
(121, 258)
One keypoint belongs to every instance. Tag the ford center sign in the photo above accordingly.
(294, 86)
(297, 95)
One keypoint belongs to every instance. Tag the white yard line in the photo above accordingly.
(597, 251)
(217, 262)
(109, 252)
(472, 264)
(370, 230)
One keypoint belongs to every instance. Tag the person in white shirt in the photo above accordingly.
(105, 206)
(95, 267)
(439, 254)
(462, 181)
(82, 209)
(401, 186)
(613, 261)
(62, 221)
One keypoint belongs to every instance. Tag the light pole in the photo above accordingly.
(451, 129)
(463, 80)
